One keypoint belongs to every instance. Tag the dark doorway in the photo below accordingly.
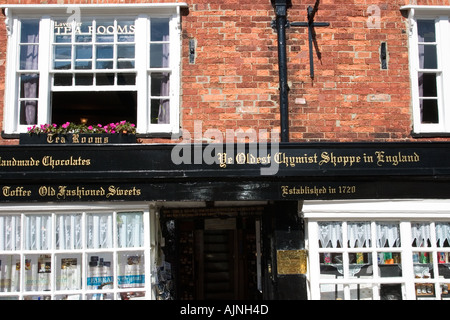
(216, 258)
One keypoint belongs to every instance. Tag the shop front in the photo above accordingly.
(285, 221)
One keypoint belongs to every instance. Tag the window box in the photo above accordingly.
(76, 138)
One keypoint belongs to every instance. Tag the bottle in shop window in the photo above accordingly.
(359, 258)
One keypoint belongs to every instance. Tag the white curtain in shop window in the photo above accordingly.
(130, 230)
(388, 235)
(442, 233)
(38, 232)
(99, 231)
(330, 234)
(358, 234)
(68, 232)
(420, 234)
(9, 233)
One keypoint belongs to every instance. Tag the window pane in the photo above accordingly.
(388, 235)
(68, 271)
(427, 56)
(29, 86)
(63, 52)
(84, 32)
(125, 52)
(127, 79)
(160, 30)
(125, 31)
(105, 52)
(104, 65)
(9, 273)
(426, 30)
(10, 229)
(38, 232)
(429, 111)
(61, 80)
(159, 55)
(427, 85)
(160, 84)
(100, 273)
(83, 52)
(83, 65)
(131, 273)
(330, 234)
(99, 231)
(105, 31)
(84, 79)
(130, 229)
(105, 79)
(68, 232)
(38, 272)
(29, 31)
(420, 235)
(160, 111)
(62, 65)
(358, 234)
(29, 57)
(443, 234)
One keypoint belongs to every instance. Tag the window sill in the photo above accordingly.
(139, 135)
(430, 135)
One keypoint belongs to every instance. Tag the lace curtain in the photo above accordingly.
(358, 234)
(421, 234)
(9, 233)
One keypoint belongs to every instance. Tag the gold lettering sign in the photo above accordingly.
(292, 261)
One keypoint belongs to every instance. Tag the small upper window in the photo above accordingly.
(430, 72)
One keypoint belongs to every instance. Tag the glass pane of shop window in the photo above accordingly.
(10, 229)
(388, 235)
(359, 234)
(331, 292)
(38, 232)
(9, 273)
(68, 271)
(360, 265)
(130, 229)
(100, 296)
(361, 291)
(443, 234)
(99, 231)
(131, 269)
(38, 272)
(100, 271)
(389, 264)
(68, 232)
(391, 292)
(330, 234)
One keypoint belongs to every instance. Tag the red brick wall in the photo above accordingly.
(233, 83)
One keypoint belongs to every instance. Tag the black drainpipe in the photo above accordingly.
(281, 23)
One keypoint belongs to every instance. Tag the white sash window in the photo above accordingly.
(94, 64)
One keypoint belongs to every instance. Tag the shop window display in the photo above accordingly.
(371, 260)
(73, 256)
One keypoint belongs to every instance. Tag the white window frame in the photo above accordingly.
(441, 15)
(48, 13)
(148, 249)
(405, 212)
